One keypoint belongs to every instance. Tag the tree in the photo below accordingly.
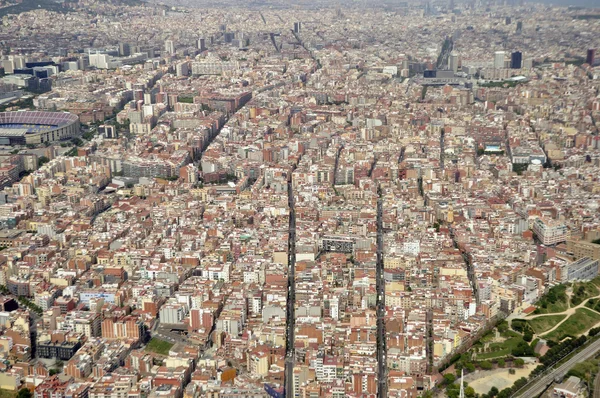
(522, 350)
(469, 392)
(449, 378)
(470, 367)
(519, 362)
(493, 392)
(485, 365)
(501, 363)
(520, 383)
(24, 393)
(42, 160)
(528, 335)
(505, 393)
(453, 391)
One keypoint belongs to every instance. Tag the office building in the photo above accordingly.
(516, 60)
(108, 131)
(297, 27)
(591, 56)
(583, 269)
(124, 50)
(519, 27)
(8, 65)
(170, 46)
(499, 59)
(202, 44)
(183, 68)
(103, 61)
(453, 61)
(228, 37)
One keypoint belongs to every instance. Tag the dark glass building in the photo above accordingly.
(516, 60)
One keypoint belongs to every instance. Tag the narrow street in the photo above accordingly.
(291, 299)
(380, 286)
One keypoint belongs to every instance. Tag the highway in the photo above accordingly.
(540, 383)
(291, 300)
(380, 303)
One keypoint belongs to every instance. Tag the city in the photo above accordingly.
(299, 199)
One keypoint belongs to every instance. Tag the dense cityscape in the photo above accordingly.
(299, 199)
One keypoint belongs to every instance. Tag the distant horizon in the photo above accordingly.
(578, 3)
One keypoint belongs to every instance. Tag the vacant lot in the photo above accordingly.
(158, 346)
(545, 323)
(577, 324)
(483, 380)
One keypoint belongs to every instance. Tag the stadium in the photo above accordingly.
(35, 127)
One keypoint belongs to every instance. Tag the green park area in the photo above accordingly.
(578, 323)
(555, 300)
(566, 310)
(593, 304)
(503, 343)
(583, 291)
(158, 346)
(544, 323)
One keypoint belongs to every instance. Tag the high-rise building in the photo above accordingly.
(124, 50)
(499, 59)
(183, 68)
(8, 65)
(519, 26)
(516, 60)
(202, 44)
(297, 27)
(170, 46)
(453, 61)
(228, 37)
(591, 55)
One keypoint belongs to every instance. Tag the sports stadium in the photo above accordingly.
(36, 127)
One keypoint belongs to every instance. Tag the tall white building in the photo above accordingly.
(170, 46)
(453, 61)
(103, 61)
(499, 57)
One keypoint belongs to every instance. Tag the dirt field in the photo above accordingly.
(482, 380)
